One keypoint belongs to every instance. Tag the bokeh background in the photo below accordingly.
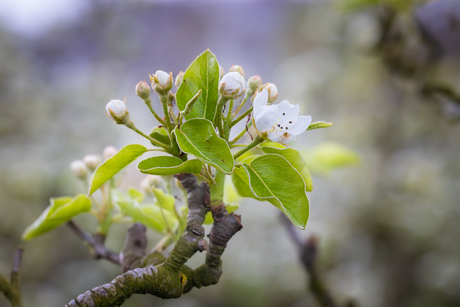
(384, 72)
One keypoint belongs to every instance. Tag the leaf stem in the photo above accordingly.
(257, 141)
(164, 103)
(240, 134)
(148, 102)
(246, 96)
(242, 116)
(218, 116)
(148, 137)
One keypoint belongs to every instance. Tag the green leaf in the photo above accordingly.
(198, 137)
(164, 200)
(166, 165)
(318, 125)
(325, 157)
(149, 215)
(273, 178)
(135, 194)
(240, 180)
(293, 157)
(160, 134)
(202, 74)
(60, 211)
(116, 163)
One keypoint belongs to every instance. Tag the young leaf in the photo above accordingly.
(164, 200)
(273, 178)
(198, 137)
(240, 180)
(116, 163)
(166, 165)
(135, 194)
(160, 134)
(58, 212)
(318, 125)
(202, 74)
(293, 157)
(329, 156)
(149, 215)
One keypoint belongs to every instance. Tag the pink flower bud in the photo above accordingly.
(238, 69)
(143, 90)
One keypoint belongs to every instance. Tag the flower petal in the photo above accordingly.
(260, 101)
(266, 117)
(282, 137)
(300, 125)
(287, 115)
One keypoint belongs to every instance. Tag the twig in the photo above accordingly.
(96, 244)
(11, 288)
(308, 254)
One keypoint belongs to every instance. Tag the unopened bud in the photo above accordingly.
(117, 110)
(79, 168)
(151, 181)
(143, 90)
(92, 161)
(238, 69)
(254, 82)
(221, 72)
(162, 82)
(179, 78)
(232, 85)
(272, 91)
(109, 152)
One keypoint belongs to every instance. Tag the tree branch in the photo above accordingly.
(11, 288)
(170, 278)
(308, 254)
(96, 244)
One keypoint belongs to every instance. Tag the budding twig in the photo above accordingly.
(11, 288)
(96, 244)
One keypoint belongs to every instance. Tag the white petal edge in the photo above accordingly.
(300, 125)
(260, 101)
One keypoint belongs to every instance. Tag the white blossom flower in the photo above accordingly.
(232, 85)
(281, 122)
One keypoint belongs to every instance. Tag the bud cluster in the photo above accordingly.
(81, 168)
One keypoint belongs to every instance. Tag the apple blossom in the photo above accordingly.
(281, 122)
(232, 85)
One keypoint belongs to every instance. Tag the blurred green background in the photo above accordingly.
(388, 226)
